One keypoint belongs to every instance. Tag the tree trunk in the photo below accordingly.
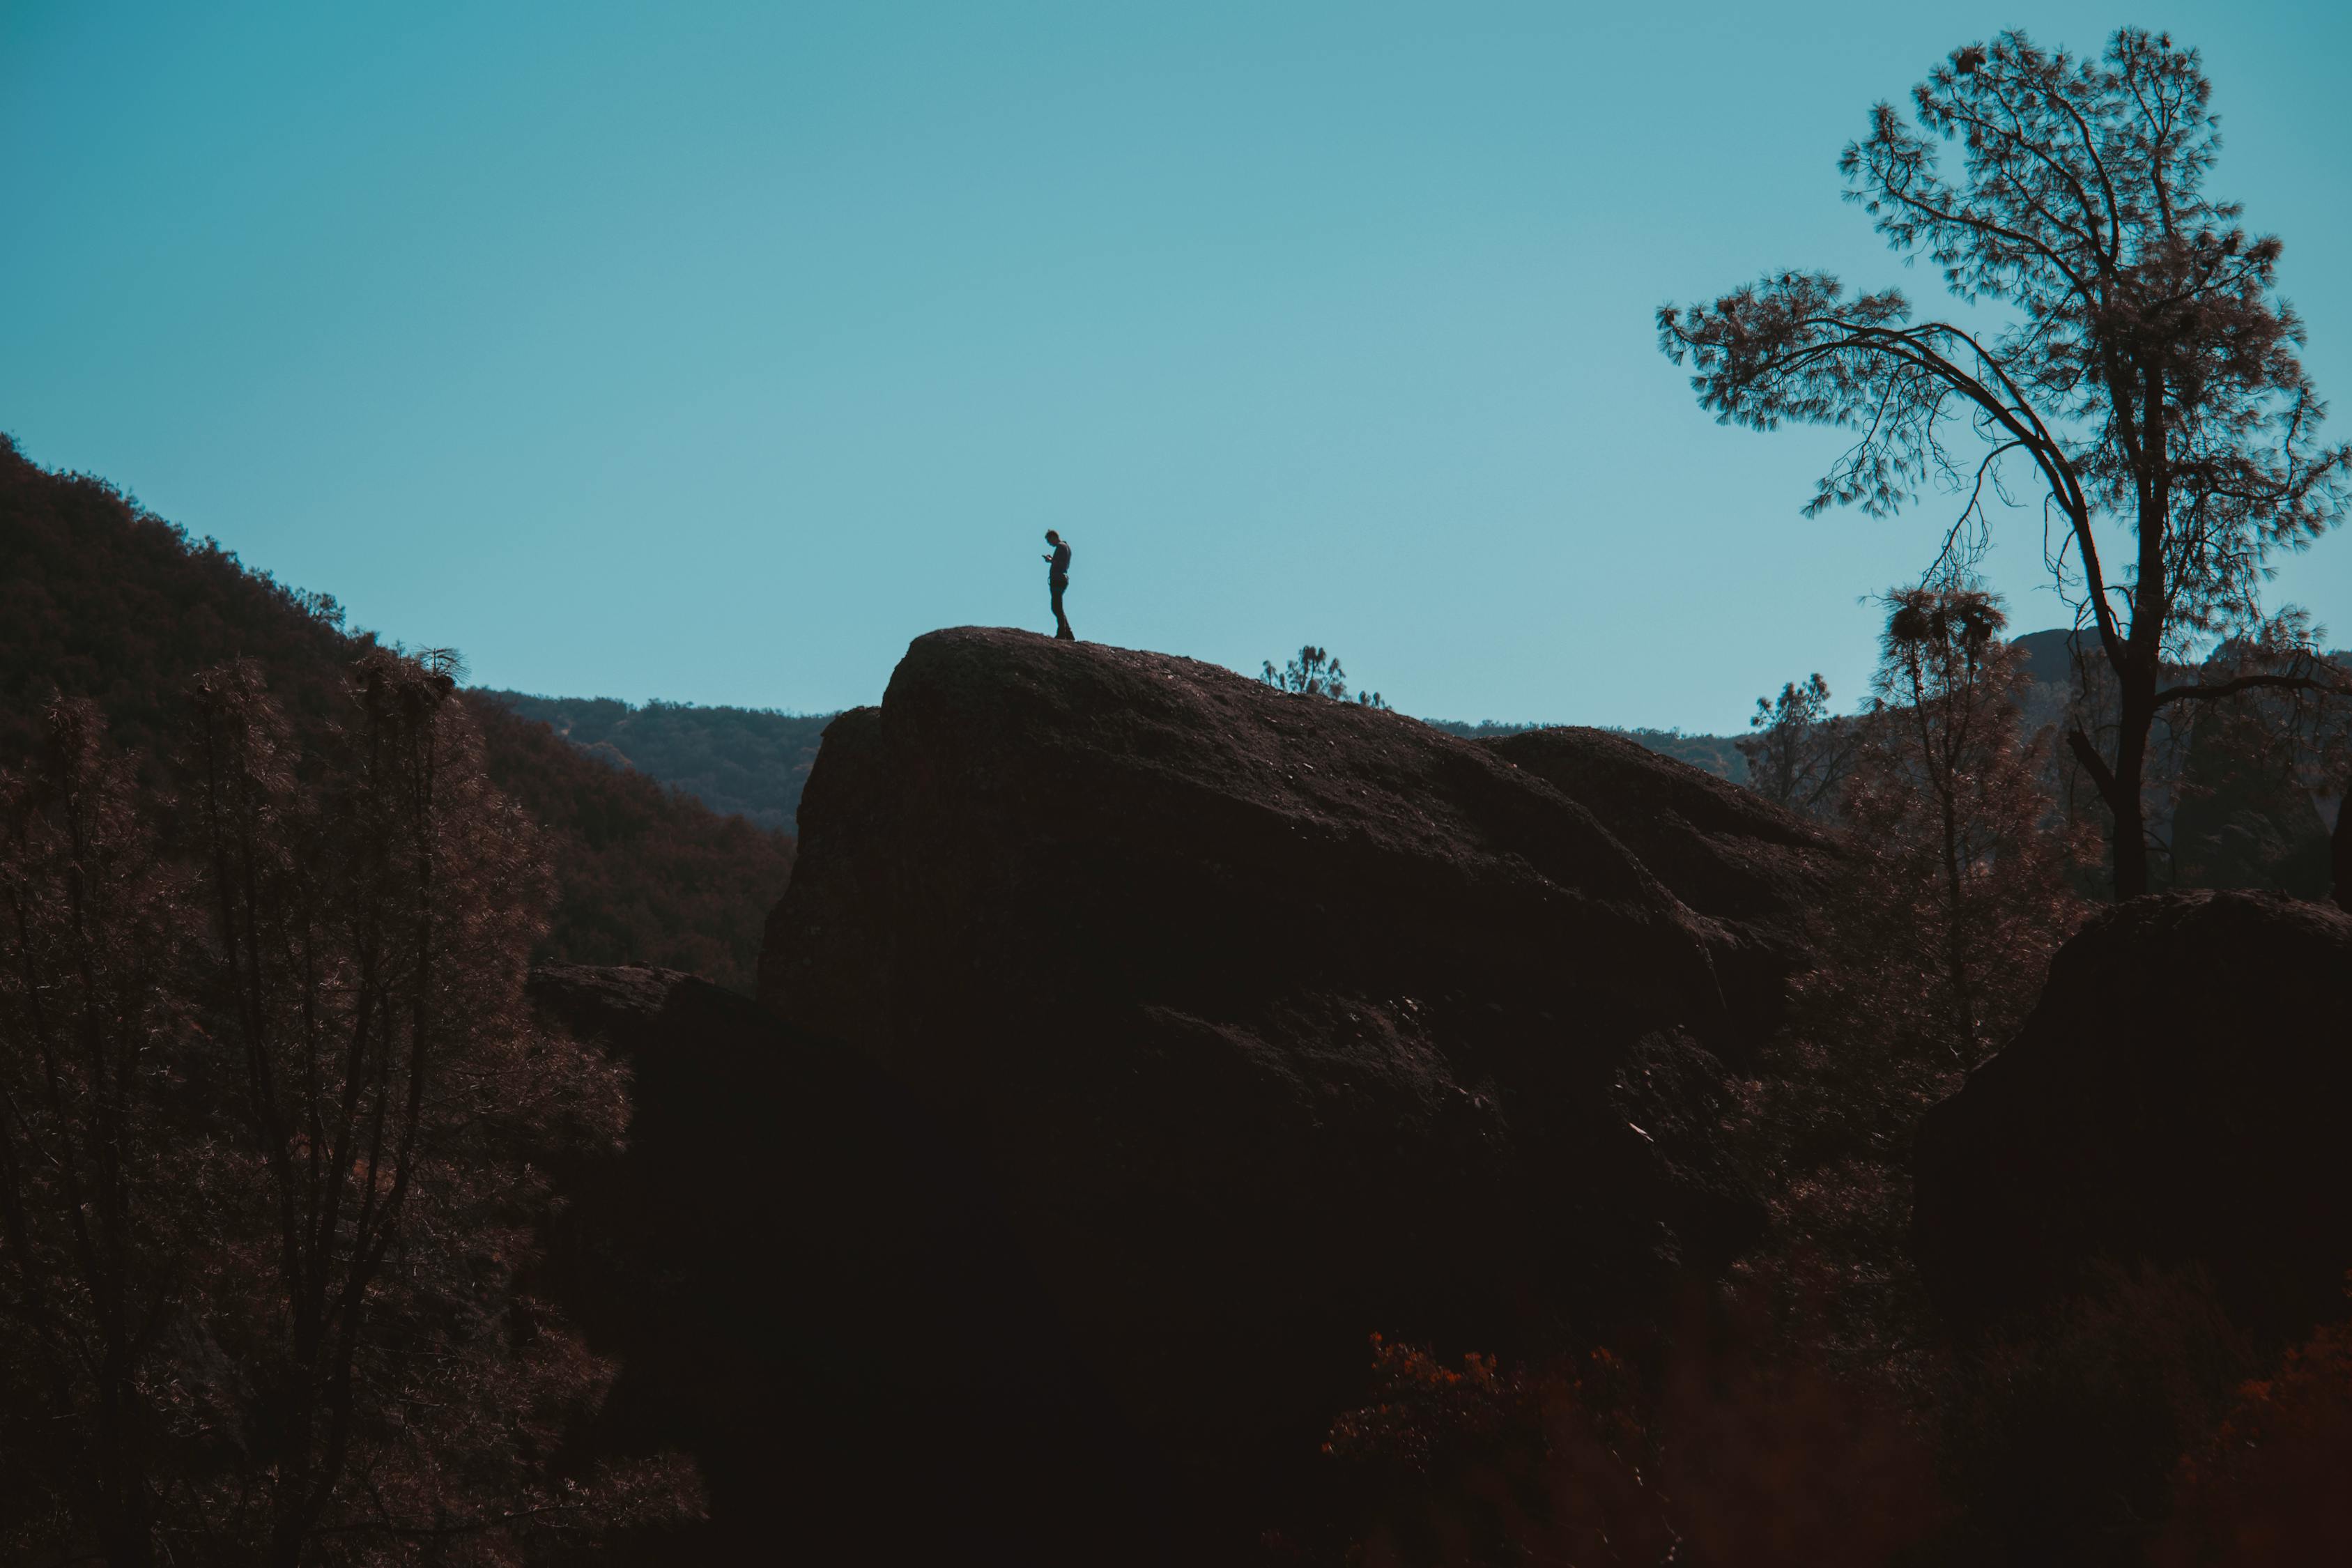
(2130, 847)
(2137, 674)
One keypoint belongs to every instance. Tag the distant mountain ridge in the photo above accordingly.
(749, 762)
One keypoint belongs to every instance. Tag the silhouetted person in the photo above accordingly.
(1057, 578)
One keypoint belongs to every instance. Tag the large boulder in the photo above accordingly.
(1758, 873)
(2179, 1096)
(809, 1290)
(1276, 1021)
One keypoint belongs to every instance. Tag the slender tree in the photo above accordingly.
(90, 1277)
(1969, 883)
(1797, 750)
(2149, 374)
(1938, 932)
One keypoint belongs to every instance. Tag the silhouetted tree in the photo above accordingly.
(2246, 811)
(1966, 895)
(1935, 935)
(271, 1124)
(2150, 372)
(1797, 750)
(1316, 673)
(1940, 929)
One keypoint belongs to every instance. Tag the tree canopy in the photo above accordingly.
(2147, 373)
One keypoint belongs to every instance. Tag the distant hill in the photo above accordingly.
(751, 762)
(2050, 655)
(649, 874)
(2235, 822)
(101, 599)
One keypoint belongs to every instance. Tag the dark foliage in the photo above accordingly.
(745, 762)
(2063, 1436)
(272, 1131)
(2251, 774)
(1797, 751)
(2267, 1485)
(1719, 1446)
(645, 875)
(1933, 937)
(2238, 788)
(102, 600)
(1966, 896)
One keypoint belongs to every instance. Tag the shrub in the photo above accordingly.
(2269, 1485)
(1730, 1453)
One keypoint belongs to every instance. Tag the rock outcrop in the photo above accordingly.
(1276, 1021)
(2179, 1096)
(809, 1288)
(1755, 872)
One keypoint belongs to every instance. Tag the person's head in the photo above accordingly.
(1052, 537)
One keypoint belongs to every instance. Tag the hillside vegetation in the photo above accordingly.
(101, 599)
(751, 762)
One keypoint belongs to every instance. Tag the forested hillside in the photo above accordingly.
(751, 761)
(649, 874)
(101, 599)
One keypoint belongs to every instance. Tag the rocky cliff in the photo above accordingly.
(1275, 1021)
(809, 1288)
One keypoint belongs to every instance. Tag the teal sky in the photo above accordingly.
(712, 351)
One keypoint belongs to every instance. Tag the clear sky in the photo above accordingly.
(712, 351)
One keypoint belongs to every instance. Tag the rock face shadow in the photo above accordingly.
(810, 1289)
(2176, 1097)
(1271, 1022)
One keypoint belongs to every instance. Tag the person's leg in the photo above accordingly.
(1062, 632)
